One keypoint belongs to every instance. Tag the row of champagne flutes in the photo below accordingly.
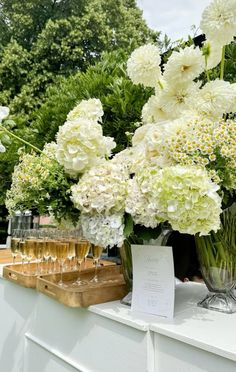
(52, 247)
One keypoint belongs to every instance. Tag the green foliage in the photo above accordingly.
(41, 184)
(46, 39)
(25, 19)
(122, 100)
(14, 67)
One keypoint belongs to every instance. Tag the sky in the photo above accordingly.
(173, 17)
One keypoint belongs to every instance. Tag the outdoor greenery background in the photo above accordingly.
(53, 54)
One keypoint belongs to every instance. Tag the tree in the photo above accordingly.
(63, 43)
(25, 19)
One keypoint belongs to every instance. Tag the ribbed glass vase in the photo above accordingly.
(217, 256)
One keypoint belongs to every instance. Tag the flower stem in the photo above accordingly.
(222, 64)
(160, 84)
(20, 139)
(206, 70)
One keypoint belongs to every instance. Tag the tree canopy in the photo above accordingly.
(44, 39)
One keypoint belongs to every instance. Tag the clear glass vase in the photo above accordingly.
(217, 256)
(126, 260)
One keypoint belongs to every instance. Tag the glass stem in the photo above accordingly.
(96, 270)
(23, 265)
(78, 279)
(61, 267)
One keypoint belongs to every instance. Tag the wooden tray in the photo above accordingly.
(15, 273)
(112, 287)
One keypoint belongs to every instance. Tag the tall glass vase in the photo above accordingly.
(217, 256)
(126, 259)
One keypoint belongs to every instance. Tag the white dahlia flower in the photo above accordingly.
(184, 66)
(214, 99)
(153, 112)
(143, 65)
(174, 98)
(219, 21)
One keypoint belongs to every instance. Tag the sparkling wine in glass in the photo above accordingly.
(96, 251)
(14, 248)
(71, 251)
(62, 252)
(29, 250)
(81, 251)
(22, 253)
(39, 247)
(53, 253)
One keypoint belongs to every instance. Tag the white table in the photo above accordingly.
(37, 334)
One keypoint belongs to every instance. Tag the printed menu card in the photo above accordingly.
(153, 280)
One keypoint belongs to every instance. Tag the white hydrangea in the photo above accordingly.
(189, 198)
(80, 144)
(153, 112)
(102, 189)
(219, 21)
(140, 206)
(149, 145)
(143, 65)
(105, 231)
(4, 112)
(184, 196)
(90, 109)
(213, 53)
(214, 99)
(184, 66)
(133, 157)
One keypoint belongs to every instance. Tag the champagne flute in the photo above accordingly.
(29, 251)
(71, 251)
(39, 247)
(62, 252)
(22, 253)
(14, 248)
(81, 251)
(96, 251)
(53, 253)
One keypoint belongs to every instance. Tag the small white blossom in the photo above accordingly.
(2, 147)
(4, 112)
